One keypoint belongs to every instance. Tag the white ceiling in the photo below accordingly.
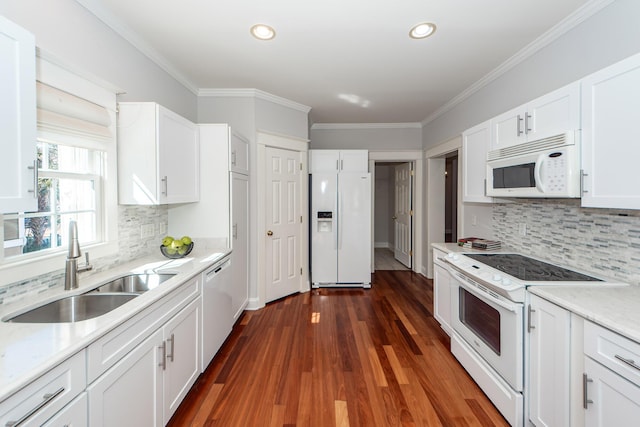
(351, 61)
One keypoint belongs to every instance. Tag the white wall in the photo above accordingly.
(369, 137)
(66, 30)
(610, 35)
(384, 200)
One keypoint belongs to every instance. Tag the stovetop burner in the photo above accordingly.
(529, 269)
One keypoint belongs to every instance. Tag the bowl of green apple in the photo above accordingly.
(176, 248)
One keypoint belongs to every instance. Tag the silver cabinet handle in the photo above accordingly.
(527, 129)
(582, 175)
(519, 121)
(629, 362)
(235, 231)
(233, 158)
(45, 400)
(585, 398)
(170, 355)
(163, 359)
(529, 316)
(165, 180)
(35, 178)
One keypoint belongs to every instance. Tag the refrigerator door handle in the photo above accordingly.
(339, 227)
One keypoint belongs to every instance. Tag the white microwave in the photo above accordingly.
(548, 167)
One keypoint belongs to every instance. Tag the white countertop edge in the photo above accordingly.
(613, 307)
(82, 334)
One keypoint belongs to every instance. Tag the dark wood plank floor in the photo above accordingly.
(340, 357)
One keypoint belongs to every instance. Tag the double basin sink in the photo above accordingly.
(94, 303)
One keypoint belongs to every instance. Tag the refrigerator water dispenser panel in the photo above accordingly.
(325, 222)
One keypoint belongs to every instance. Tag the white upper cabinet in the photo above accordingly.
(610, 135)
(158, 156)
(338, 161)
(18, 168)
(239, 155)
(551, 114)
(475, 145)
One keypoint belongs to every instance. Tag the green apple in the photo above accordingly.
(170, 251)
(182, 250)
(167, 241)
(186, 240)
(176, 244)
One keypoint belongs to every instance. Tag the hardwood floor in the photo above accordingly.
(340, 357)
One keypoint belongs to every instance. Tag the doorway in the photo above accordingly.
(451, 198)
(393, 215)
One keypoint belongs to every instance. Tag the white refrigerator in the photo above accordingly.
(340, 229)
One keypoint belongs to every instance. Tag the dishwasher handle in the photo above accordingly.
(217, 270)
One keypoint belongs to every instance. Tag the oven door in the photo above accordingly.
(490, 324)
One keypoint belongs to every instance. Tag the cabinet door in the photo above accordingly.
(324, 161)
(354, 161)
(72, 415)
(239, 155)
(475, 144)
(442, 297)
(554, 113)
(17, 119)
(610, 131)
(179, 158)
(507, 129)
(549, 363)
(611, 400)
(130, 393)
(239, 243)
(182, 338)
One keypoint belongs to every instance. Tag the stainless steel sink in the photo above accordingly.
(133, 283)
(74, 308)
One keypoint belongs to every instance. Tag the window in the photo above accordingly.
(69, 188)
(76, 151)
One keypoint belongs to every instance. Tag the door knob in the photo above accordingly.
(394, 217)
(269, 233)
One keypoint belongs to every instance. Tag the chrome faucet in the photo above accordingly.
(71, 266)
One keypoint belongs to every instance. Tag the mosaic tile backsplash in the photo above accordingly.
(130, 220)
(604, 242)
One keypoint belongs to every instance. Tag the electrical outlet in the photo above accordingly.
(146, 230)
(522, 228)
(474, 220)
(162, 228)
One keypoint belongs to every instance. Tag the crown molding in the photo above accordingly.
(580, 15)
(96, 8)
(343, 126)
(254, 93)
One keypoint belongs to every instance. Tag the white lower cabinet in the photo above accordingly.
(611, 380)
(44, 397)
(549, 328)
(147, 385)
(442, 297)
(72, 415)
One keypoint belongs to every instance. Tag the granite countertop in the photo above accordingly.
(615, 307)
(27, 350)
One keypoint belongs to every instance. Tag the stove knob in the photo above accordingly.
(506, 281)
(497, 277)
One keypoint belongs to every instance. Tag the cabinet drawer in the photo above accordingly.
(614, 351)
(112, 347)
(40, 400)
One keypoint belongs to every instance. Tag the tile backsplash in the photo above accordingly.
(132, 245)
(603, 242)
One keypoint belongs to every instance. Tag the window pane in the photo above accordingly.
(11, 231)
(37, 232)
(76, 195)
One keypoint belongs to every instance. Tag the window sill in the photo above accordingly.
(25, 269)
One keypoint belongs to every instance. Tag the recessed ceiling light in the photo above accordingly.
(422, 30)
(263, 32)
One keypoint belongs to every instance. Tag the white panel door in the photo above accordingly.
(282, 222)
(402, 217)
(354, 228)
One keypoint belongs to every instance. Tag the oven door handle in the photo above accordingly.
(515, 308)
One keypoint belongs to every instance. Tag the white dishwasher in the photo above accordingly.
(217, 318)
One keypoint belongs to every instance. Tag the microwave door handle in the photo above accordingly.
(537, 172)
